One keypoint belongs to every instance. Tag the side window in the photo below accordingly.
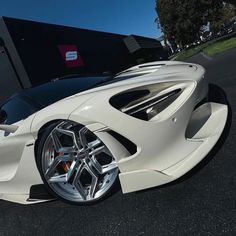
(16, 110)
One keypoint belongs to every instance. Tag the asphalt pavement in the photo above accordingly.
(203, 202)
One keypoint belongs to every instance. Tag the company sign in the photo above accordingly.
(71, 55)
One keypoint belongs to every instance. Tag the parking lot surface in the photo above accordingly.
(203, 202)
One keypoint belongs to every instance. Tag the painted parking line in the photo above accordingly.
(206, 56)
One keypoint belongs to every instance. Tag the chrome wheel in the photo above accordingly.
(76, 164)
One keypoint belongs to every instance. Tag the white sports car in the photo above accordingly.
(148, 125)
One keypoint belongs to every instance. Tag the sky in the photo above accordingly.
(116, 16)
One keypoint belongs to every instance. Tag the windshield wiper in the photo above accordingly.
(106, 80)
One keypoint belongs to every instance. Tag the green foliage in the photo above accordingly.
(210, 48)
(231, 2)
(183, 19)
(220, 47)
(225, 14)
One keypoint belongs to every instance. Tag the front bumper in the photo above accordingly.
(205, 128)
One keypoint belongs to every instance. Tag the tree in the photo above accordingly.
(183, 19)
(233, 2)
(226, 13)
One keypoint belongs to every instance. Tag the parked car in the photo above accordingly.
(149, 125)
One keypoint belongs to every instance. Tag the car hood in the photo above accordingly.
(149, 73)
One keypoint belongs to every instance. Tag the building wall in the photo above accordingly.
(38, 53)
(38, 47)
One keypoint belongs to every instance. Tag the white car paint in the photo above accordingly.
(165, 150)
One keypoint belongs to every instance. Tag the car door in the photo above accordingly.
(12, 144)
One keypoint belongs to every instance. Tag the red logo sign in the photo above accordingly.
(71, 55)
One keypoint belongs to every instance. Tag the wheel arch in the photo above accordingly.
(41, 131)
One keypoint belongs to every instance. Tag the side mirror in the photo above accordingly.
(3, 116)
(9, 128)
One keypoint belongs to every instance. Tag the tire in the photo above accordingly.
(74, 164)
(216, 94)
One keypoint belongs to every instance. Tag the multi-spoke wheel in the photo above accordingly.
(75, 164)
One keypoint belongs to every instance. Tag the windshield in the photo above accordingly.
(51, 92)
(29, 101)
